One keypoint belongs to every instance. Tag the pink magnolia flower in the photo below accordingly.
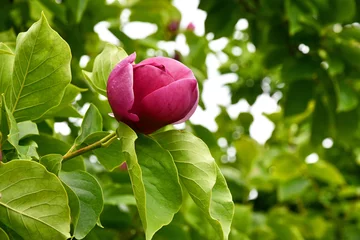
(152, 94)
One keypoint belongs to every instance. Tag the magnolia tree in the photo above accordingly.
(46, 191)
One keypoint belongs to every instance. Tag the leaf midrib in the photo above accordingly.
(27, 71)
(29, 216)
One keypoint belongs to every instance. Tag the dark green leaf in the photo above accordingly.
(90, 196)
(33, 199)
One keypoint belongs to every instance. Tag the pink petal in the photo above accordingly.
(120, 90)
(147, 79)
(192, 110)
(176, 68)
(167, 105)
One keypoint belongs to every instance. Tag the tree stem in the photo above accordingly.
(104, 142)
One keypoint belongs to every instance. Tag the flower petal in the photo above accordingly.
(120, 90)
(167, 105)
(147, 79)
(176, 68)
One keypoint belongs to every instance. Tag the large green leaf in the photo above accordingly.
(111, 156)
(27, 129)
(92, 122)
(201, 177)
(6, 66)
(326, 172)
(103, 65)
(90, 197)
(154, 177)
(52, 162)
(33, 201)
(65, 108)
(14, 136)
(41, 71)
(3, 235)
(78, 8)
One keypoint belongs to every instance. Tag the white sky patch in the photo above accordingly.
(62, 128)
(102, 30)
(304, 48)
(242, 24)
(218, 44)
(222, 142)
(253, 194)
(191, 14)
(93, 159)
(235, 109)
(102, 97)
(139, 30)
(180, 126)
(251, 47)
(181, 46)
(84, 60)
(312, 158)
(327, 143)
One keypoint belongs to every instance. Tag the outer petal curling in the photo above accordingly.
(167, 105)
(120, 90)
(176, 68)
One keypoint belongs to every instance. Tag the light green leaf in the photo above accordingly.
(292, 189)
(3, 235)
(115, 194)
(103, 65)
(41, 72)
(154, 177)
(6, 66)
(78, 7)
(74, 204)
(326, 172)
(33, 202)
(201, 177)
(111, 156)
(92, 122)
(65, 108)
(90, 196)
(27, 128)
(52, 162)
(50, 145)
(347, 97)
(13, 137)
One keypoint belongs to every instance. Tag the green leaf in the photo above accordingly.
(24, 152)
(347, 97)
(90, 196)
(50, 145)
(52, 162)
(103, 65)
(326, 172)
(41, 72)
(33, 202)
(6, 66)
(150, 167)
(201, 177)
(292, 189)
(78, 8)
(111, 156)
(320, 122)
(27, 129)
(65, 108)
(298, 97)
(247, 152)
(92, 122)
(3, 235)
(242, 218)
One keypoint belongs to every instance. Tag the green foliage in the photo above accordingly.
(202, 184)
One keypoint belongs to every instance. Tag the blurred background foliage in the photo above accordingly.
(303, 182)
